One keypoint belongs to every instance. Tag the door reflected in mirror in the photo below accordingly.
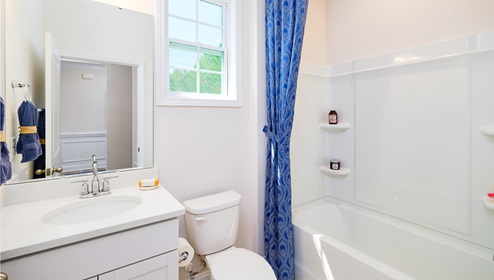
(96, 101)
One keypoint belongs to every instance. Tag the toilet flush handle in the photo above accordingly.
(202, 219)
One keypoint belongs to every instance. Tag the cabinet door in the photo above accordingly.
(150, 269)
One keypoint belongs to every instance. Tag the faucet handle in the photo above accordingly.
(84, 188)
(106, 184)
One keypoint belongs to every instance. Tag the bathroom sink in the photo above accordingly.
(91, 209)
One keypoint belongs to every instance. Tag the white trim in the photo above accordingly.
(100, 59)
(161, 56)
(70, 135)
(71, 141)
(232, 60)
(2, 49)
(2, 81)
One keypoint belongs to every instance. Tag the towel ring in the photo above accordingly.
(27, 93)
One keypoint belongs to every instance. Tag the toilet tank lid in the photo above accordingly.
(211, 203)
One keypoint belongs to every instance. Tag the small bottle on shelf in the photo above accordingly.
(333, 117)
(334, 164)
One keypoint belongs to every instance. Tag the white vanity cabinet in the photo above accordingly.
(151, 269)
(146, 252)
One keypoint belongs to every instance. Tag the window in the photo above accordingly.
(196, 55)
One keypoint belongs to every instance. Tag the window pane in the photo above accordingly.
(210, 35)
(183, 56)
(210, 13)
(211, 60)
(182, 8)
(182, 80)
(181, 29)
(210, 83)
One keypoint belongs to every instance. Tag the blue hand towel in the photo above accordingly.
(5, 164)
(40, 162)
(28, 144)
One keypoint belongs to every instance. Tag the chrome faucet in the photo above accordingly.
(95, 186)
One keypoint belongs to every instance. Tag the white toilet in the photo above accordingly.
(212, 225)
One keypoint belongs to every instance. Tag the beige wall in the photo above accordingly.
(314, 50)
(362, 28)
(119, 117)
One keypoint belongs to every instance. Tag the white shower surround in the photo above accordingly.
(429, 204)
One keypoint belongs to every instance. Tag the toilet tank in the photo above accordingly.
(212, 221)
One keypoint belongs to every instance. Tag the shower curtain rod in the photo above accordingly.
(16, 84)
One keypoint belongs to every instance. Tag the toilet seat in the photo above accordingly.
(239, 264)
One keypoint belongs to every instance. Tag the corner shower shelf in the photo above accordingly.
(328, 171)
(335, 127)
(487, 130)
(488, 202)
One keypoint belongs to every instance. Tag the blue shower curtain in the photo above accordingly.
(285, 23)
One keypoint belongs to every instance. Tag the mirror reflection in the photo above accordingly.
(90, 70)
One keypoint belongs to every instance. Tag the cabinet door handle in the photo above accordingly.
(3, 276)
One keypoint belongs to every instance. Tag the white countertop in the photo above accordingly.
(23, 232)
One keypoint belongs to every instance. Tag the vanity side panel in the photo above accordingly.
(86, 259)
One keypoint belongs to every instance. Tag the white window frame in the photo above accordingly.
(232, 94)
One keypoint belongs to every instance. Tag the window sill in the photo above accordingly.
(195, 102)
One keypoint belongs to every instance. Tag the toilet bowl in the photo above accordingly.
(212, 224)
(238, 264)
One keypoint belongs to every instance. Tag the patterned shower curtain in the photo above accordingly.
(285, 23)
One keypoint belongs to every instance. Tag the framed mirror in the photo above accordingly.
(90, 70)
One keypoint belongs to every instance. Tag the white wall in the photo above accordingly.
(143, 6)
(204, 150)
(23, 62)
(82, 101)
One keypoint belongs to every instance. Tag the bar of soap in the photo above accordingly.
(148, 184)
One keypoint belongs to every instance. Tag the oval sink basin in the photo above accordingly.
(91, 209)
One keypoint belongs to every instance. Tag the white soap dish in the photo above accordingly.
(488, 202)
(487, 130)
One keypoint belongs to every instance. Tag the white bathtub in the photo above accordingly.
(339, 240)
